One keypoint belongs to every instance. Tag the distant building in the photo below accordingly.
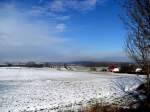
(138, 70)
(116, 70)
(111, 67)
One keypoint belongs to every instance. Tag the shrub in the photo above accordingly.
(92, 69)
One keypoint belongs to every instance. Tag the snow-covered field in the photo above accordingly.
(45, 89)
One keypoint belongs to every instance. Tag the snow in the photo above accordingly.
(44, 89)
(41, 73)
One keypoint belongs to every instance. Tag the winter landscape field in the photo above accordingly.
(52, 90)
(74, 55)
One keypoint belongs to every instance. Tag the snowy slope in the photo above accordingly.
(26, 89)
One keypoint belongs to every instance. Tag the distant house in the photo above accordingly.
(138, 70)
(111, 67)
(115, 70)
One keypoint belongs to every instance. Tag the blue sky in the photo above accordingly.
(61, 30)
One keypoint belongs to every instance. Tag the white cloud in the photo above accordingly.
(22, 39)
(61, 27)
(64, 5)
(27, 35)
(57, 5)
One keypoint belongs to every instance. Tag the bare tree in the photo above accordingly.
(137, 22)
(138, 48)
